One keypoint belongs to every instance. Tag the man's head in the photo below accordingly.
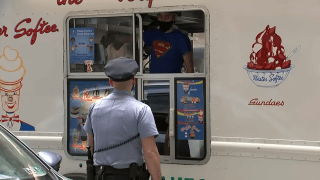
(121, 72)
(166, 20)
(107, 39)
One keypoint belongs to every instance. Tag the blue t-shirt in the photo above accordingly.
(114, 119)
(167, 50)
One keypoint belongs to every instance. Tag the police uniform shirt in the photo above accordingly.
(117, 118)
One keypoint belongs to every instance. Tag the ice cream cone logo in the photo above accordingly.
(12, 72)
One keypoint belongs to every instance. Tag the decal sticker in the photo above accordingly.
(12, 72)
(268, 65)
(82, 47)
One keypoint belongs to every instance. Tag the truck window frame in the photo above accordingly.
(141, 76)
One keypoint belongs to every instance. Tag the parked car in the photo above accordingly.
(18, 161)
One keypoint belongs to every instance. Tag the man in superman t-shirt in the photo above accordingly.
(170, 48)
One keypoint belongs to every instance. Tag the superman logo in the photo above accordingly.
(160, 48)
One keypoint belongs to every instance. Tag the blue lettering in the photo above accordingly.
(257, 78)
(275, 78)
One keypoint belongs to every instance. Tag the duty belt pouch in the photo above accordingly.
(143, 173)
(133, 170)
(101, 173)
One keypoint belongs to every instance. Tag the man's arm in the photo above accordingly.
(152, 157)
(90, 142)
(188, 61)
(147, 49)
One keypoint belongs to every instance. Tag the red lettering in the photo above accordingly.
(256, 101)
(47, 29)
(28, 20)
(252, 101)
(63, 2)
(29, 32)
(4, 31)
(150, 3)
(78, 1)
(54, 28)
(41, 27)
(35, 32)
(70, 2)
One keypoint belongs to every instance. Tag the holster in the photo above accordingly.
(90, 167)
(143, 173)
(90, 170)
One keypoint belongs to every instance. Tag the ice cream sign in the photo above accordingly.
(268, 65)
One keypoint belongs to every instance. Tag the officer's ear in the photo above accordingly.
(133, 80)
(111, 82)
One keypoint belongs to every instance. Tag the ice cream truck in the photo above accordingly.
(249, 111)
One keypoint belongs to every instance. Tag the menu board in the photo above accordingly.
(82, 47)
(81, 95)
(190, 108)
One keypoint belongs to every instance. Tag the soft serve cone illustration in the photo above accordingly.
(12, 72)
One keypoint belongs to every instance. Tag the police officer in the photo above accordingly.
(113, 123)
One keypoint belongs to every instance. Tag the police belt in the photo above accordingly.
(111, 170)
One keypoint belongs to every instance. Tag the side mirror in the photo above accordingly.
(51, 158)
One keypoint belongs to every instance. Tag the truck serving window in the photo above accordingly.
(176, 96)
(93, 42)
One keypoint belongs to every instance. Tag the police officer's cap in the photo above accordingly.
(121, 69)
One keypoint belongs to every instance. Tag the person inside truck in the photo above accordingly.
(117, 45)
(168, 46)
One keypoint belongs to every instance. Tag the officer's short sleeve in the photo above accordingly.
(184, 44)
(146, 123)
(88, 125)
(147, 38)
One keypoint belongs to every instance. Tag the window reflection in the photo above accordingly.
(156, 95)
(110, 38)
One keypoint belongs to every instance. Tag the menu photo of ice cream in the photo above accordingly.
(82, 94)
(190, 126)
(268, 65)
(187, 99)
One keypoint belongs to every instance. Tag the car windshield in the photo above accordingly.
(16, 162)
